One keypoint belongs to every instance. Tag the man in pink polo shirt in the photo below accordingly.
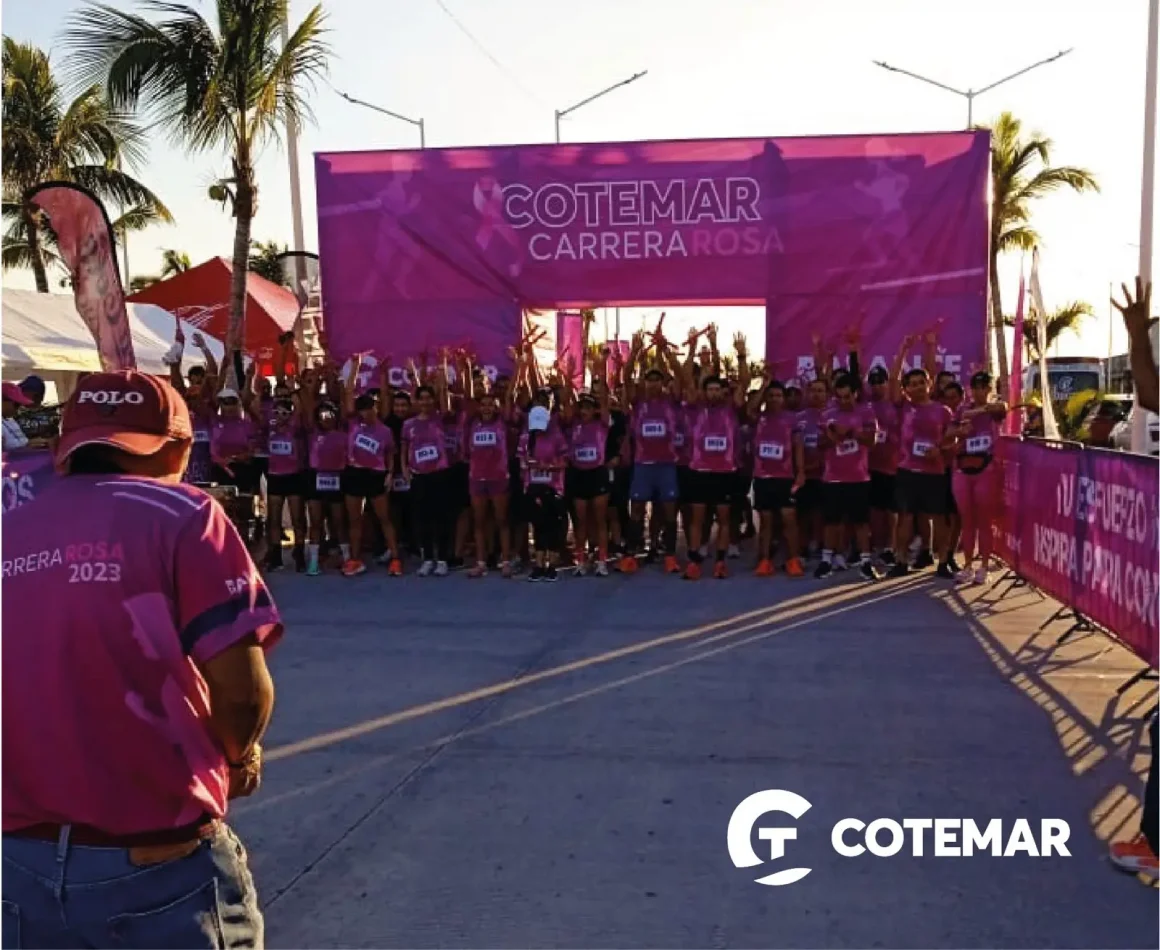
(135, 689)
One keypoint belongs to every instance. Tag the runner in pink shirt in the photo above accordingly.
(778, 475)
(425, 467)
(135, 689)
(809, 498)
(285, 481)
(977, 483)
(588, 483)
(370, 459)
(849, 432)
(487, 452)
(544, 454)
(326, 445)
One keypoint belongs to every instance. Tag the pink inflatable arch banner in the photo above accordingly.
(448, 246)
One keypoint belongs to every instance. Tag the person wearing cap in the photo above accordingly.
(14, 399)
(34, 388)
(543, 452)
(135, 689)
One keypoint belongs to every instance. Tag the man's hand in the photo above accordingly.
(246, 776)
(1137, 313)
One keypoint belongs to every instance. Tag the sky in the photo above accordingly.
(482, 72)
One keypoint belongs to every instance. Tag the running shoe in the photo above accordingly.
(671, 565)
(720, 571)
(601, 569)
(629, 564)
(825, 569)
(551, 575)
(536, 574)
(924, 560)
(840, 563)
(299, 556)
(965, 576)
(480, 570)
(867, 570)
(441, 568)
(794, 568)
(384, 559)
(395, 568)
(887, 558)
(426, 569)
(982, 575)
(899, 570)
(733, 552)
(953, 565)
(581, 568)
(1135, 856)
(944, 571)
(506, 569)
(353, 568)
(313, 570)
(692, 571)
(764, 568)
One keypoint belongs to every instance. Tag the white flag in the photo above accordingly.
(1039, 315)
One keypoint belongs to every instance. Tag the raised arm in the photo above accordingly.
(896, 368)
(1137, 314)
(743, 378)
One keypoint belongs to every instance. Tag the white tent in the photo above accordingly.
(44, 334)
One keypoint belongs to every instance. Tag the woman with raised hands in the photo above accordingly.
(588, 420)
(544, 459)
(425, 466)
(486, 445)
(326, 440)
(286, 470)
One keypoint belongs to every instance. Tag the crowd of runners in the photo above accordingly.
(887, 472)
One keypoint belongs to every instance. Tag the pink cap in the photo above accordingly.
(15, 394)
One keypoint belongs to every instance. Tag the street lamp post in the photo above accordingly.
(971, 94)
(394, 115)
(1147, 198)
(624, 82)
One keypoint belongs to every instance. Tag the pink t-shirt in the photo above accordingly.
(328, 450)
(369, 445)
(884, 454)
(589, 440)
(232, 437)
(551, 449)
(425, 442)
(714, 432)
(285, 446)
(809, 429)
(922, 431)
(847, 459)
(487, 450)
(112, 584)
(983, 435)
(773, 441)
(654, 426)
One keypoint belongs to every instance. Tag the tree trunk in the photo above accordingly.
(32, 236)
(244, 202)
(997, 326)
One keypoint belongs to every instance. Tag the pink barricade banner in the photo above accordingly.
(25, 473)
(439, 244)
(570, 343)
(1081, 525)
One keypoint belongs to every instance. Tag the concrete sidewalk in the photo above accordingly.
(461, 763)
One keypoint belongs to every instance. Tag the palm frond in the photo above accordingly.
(137, 218)
(17, 255)
(115, 187)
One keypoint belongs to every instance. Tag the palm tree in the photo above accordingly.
(231, 84)
(264, 260)
(1021, 173)
(48, 138)
(174, 263)
(1065, 319)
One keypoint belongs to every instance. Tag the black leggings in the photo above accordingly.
(431, 501)
(547, 513)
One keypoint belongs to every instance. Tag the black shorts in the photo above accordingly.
(773, 494)
(712, 488)
(918, 493)
(621, 486)
(846, 502)
(584, 484)
(363, 482)
(952, 505)
(684, 484)
(809, 496)
(883, 492)
(286, 486)
(743, 482)
(327, 496)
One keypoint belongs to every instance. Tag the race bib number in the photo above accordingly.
(810, 440)
(652, 430)
(979, 445)
(880, 437)
(678, 440)
(200, 435)
(400, 484)
(847, 447)
(326, 482)
(426, 453)
(923, 449)
(586, 453)
(281, 447)
(716, 443)
(367, 444)
(540, 476)
(771, 450)
(484, 438)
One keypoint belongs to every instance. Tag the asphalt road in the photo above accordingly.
(460, 763)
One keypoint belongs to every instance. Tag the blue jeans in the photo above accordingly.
(62, 895)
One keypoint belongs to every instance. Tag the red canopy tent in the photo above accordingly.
(201, 295)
